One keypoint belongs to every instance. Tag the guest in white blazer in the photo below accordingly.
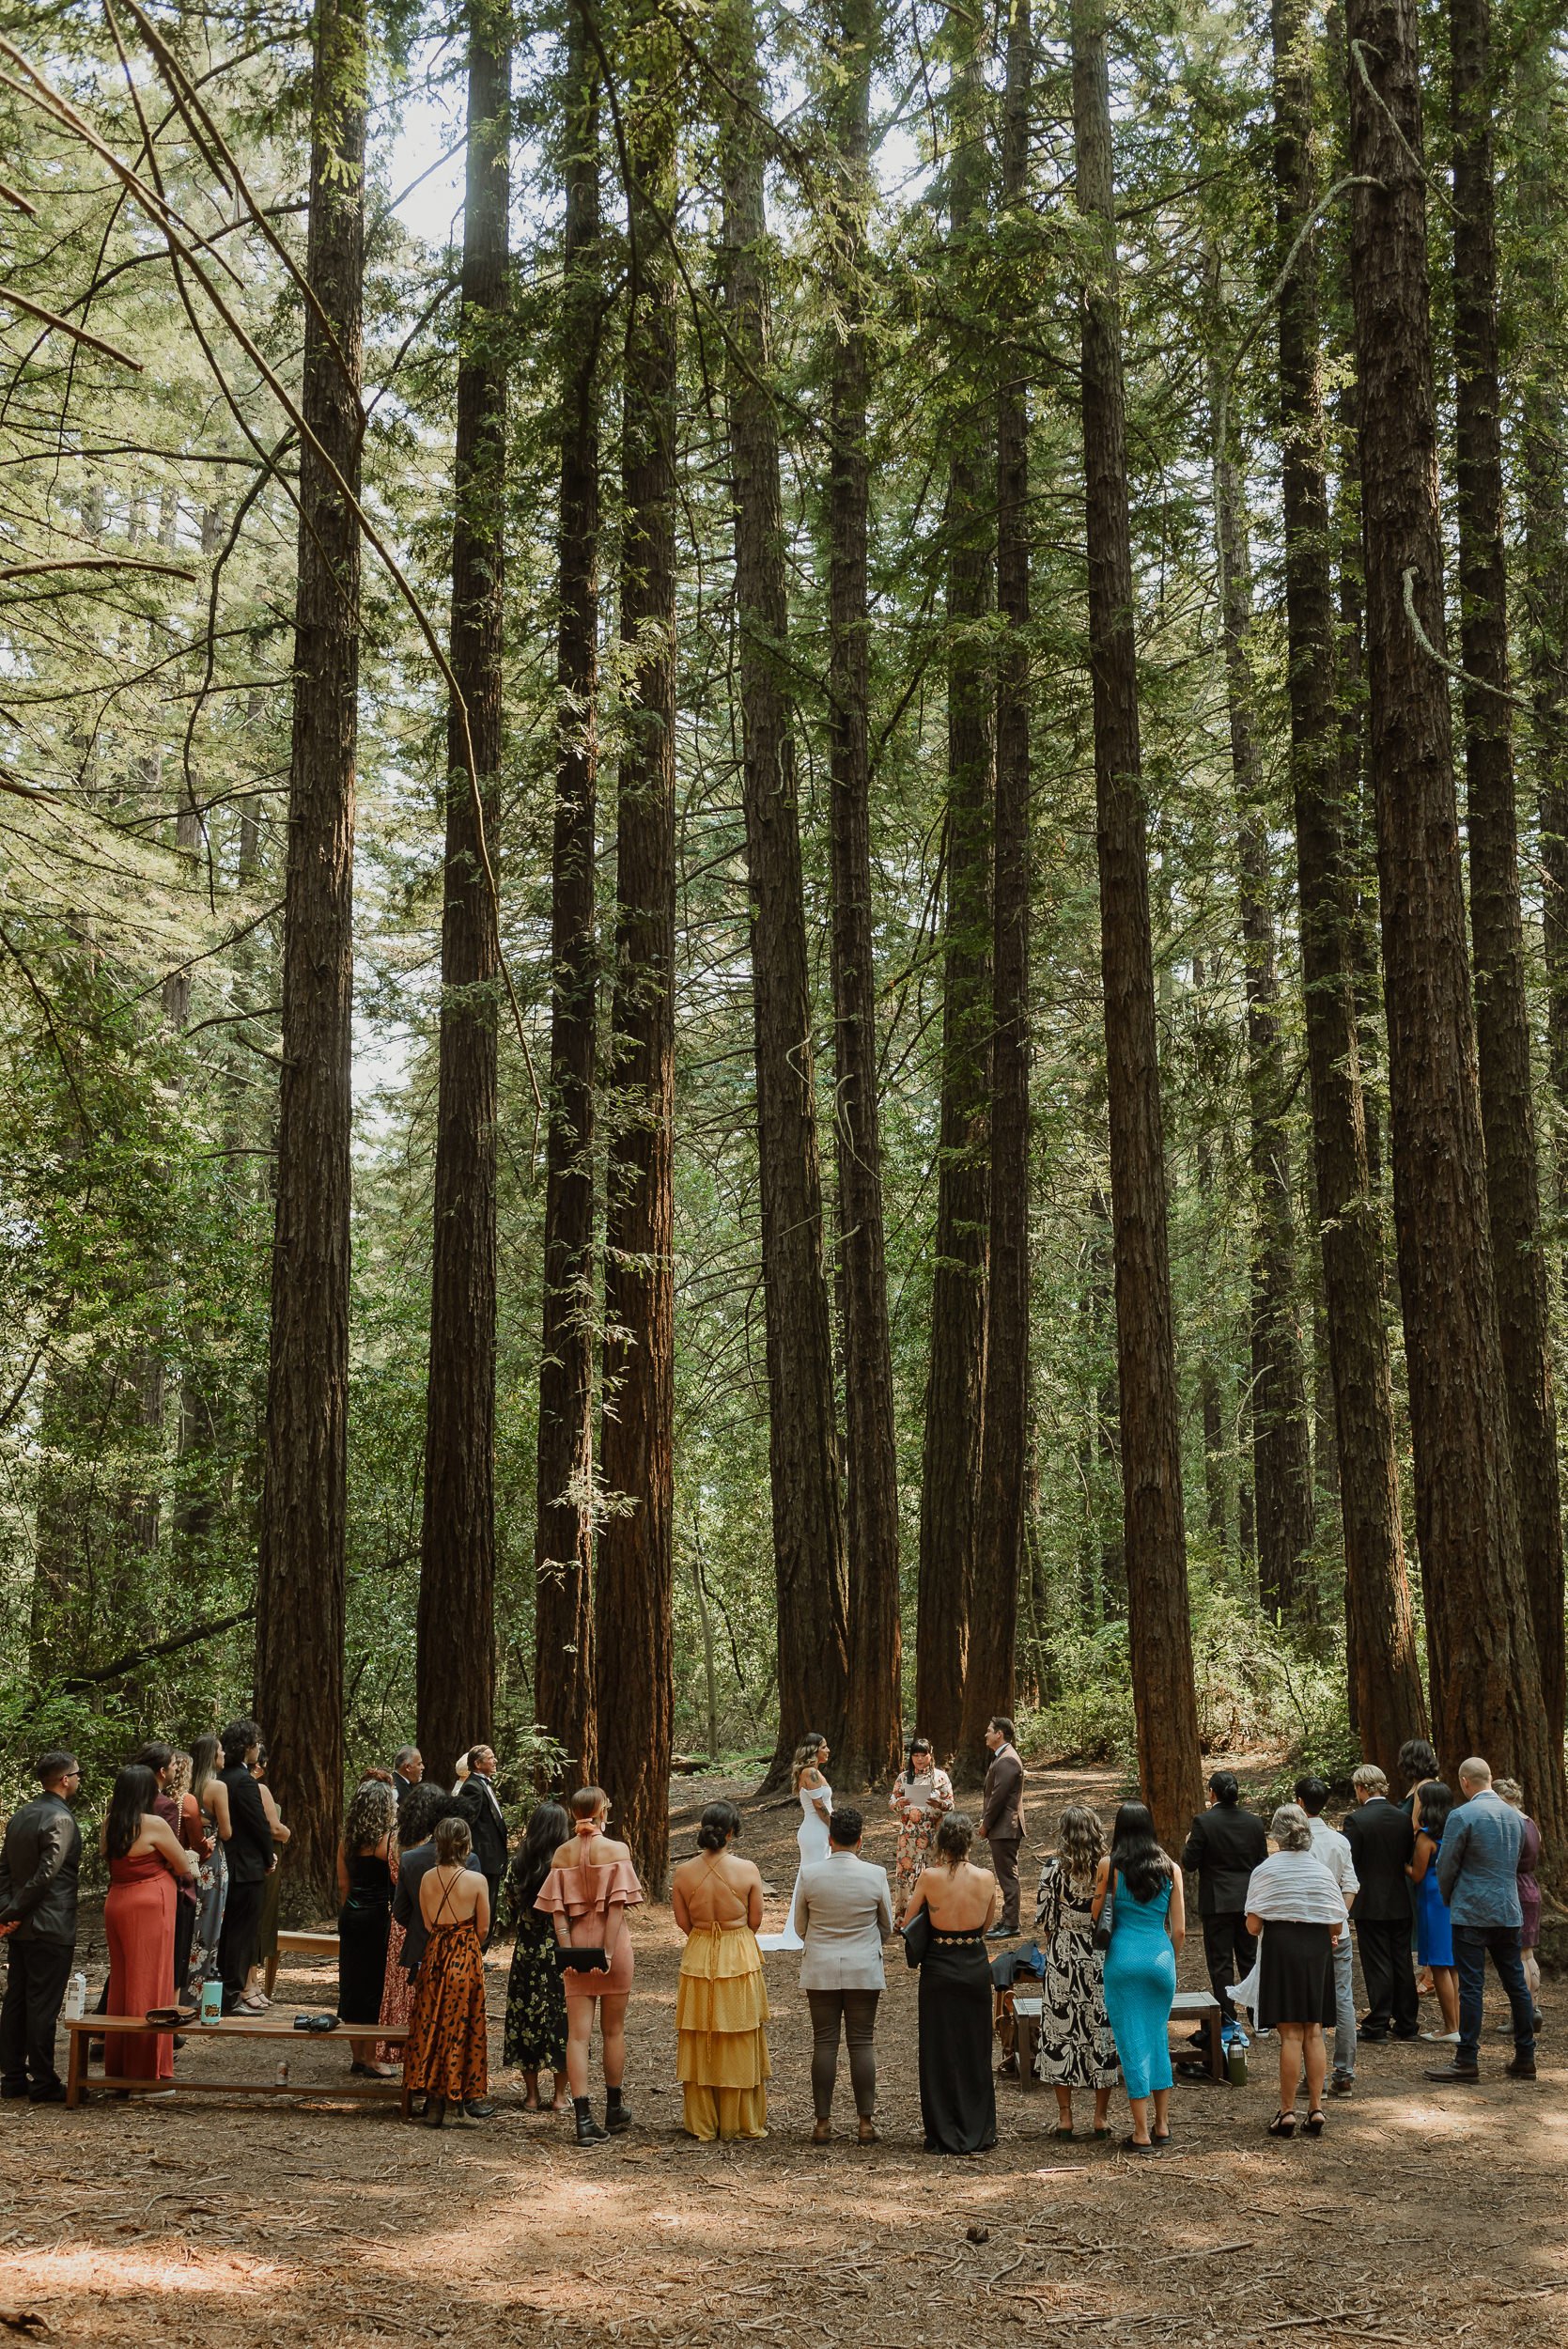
(843, 1911)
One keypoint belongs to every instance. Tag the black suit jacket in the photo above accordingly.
(250, 1846)
(484, 1824)
(1381, 1840)
(1225, 1845)
(39, 1861)
(412, 1869)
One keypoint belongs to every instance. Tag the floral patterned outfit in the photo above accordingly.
(920, 1797)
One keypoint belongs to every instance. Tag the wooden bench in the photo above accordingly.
(283, 2039)
(308, 1945)
(1197, 2006)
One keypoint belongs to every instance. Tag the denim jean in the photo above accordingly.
(1471, 1944)
(1345, 2008)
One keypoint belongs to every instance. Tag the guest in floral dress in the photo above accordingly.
(448, 2058)
(1076, 2048)
(921, 1795)
(536, 2038)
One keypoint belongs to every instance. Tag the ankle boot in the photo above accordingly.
(435, 2111)
(618, 2114)
(588, 2130)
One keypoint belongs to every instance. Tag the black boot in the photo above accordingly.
(588, 2130)
(618, 2114)
(435, 2111)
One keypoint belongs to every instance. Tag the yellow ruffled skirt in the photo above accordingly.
(721, 2039)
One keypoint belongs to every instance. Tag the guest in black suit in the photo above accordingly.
(407, 1768)
(1225, 1845)
(39, 1861)
(1381, 1840)
(251, 1860)
(486, 1824)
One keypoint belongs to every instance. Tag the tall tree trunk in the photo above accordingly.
(1386, 1700)
(301, 1579)
(1547, 556)
(810, 1566)
(1502, 1011)
(456, 1676)
(1485, 1674)
(1282, 1448)
(1158, 1619)
(564, 1680)
(633, 1578)
(872, 1735)
(988, 1686)
(954, 1395)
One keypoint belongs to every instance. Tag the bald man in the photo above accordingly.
(1478, 1872)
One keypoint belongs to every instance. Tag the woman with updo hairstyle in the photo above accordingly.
(447, 2056)
(722, 2002)
(591, 1885)
(1296, 1907)
(958, 2094)
(808, 1783)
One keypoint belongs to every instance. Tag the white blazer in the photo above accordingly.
(844, 1914)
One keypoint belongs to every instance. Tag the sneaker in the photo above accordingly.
(1343, 2084)
(1447, 2038)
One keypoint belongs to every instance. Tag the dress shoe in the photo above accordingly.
(822, 2133)
(1372, 2038)
(1002, 1933)
(56, 2092)
(1522, 2068)
(1465, 2075)
(1343, 2084)
(14, 2087)
(865, 2133)
(476, 2109)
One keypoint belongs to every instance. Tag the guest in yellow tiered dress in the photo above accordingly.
(722, 2005)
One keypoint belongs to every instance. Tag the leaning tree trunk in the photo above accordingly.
(1158, 1619)
(300, 1572)
(632, 1593)
(988, 1686)
(564, 1691)
(810, 1566)
(954, 1395)
(1387, 1700)
(1485, 1675)
(871, 1752)
(1502, 1010)
(456, 1678)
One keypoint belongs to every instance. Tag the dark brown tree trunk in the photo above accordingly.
(301, 1577)
(634, 1569)
(1158, 1621)
(954, 1395)
(871, 1752)
(810, 1566)
(1502, 1011)
(1485, 1674)
(1547, 556)
(1210, 1408)
(988, 1686)
(1386, 1699)
(563, 1682)
(457, 1572)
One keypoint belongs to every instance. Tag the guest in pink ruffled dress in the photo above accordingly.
(591, 1885)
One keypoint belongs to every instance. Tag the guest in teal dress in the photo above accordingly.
(1147, 1929)
(1433, 1928)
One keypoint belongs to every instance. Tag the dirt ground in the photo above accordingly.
(1424, 2214)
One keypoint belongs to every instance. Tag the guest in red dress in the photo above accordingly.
(145, 1864)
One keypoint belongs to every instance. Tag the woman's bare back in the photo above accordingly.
(960, 1899)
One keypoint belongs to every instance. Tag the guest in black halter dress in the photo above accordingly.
(364, 1920)
(958, 2094)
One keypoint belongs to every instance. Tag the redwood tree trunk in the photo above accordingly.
(989, 1684)
(1159, 1619)
(564, 1700)
(1485, 1675)
(632, 1593)
(301, 1575)
(456, 1578)
(1502, 1010)
(1387, 1700)
(954, 1395)
(810, 1566)
(871, 1752)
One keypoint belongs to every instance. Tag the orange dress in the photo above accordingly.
(138, 1919)
(447, 2052)
(584, 1895)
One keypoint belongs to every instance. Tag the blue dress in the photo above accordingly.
(1433, 1928)
(1140, 1986)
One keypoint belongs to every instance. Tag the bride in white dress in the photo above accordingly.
(816, 1804)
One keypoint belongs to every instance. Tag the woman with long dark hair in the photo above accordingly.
(421, 1807)
(1148, 1927)
(922, 1797)
(211, 1798)
(536, 2037)
(146, 1862)
(1077, 2049)
(958, 2094)
(365, 1919)
(1434, 1930)
(721, 2003)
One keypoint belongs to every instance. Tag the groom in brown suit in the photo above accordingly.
(1002, 1820)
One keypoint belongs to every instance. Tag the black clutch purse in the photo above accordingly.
(917, 1936)
(580, 1961)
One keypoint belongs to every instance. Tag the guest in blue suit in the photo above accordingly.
(1477, 1863)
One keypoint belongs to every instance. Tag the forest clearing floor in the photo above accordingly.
(1424, 2216)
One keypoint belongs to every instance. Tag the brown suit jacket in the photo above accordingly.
(1002, 1819)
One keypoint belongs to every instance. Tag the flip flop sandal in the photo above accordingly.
(1061, 2131)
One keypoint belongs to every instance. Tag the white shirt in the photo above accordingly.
(1334, 1849)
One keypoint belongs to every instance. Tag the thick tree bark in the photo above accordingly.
(810, 1566)
(301, 1577)
(1502, 1010)
(1385, 1696)
(1485, 1675)
(988, 1686)
(564, 1679)
(871, 1752)
(1158, 1619)
(633, 1578)
(954, 1393)
(1547, 556)
(456, 1678)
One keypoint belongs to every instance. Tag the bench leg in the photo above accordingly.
(1217, 2045)
(1028, 2048)
(73, 2067)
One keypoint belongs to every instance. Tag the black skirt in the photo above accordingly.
(958, 2094)
(363, 1928)
(1296, 1975)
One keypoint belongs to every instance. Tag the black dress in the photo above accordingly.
(1296, 1975)
(958, 2094)
(363, 1923)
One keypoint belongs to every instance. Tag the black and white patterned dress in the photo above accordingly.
(1076, 2048)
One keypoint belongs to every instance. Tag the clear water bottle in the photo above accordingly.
(283, 2072)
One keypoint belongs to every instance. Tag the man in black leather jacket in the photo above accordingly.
(40, 1862)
